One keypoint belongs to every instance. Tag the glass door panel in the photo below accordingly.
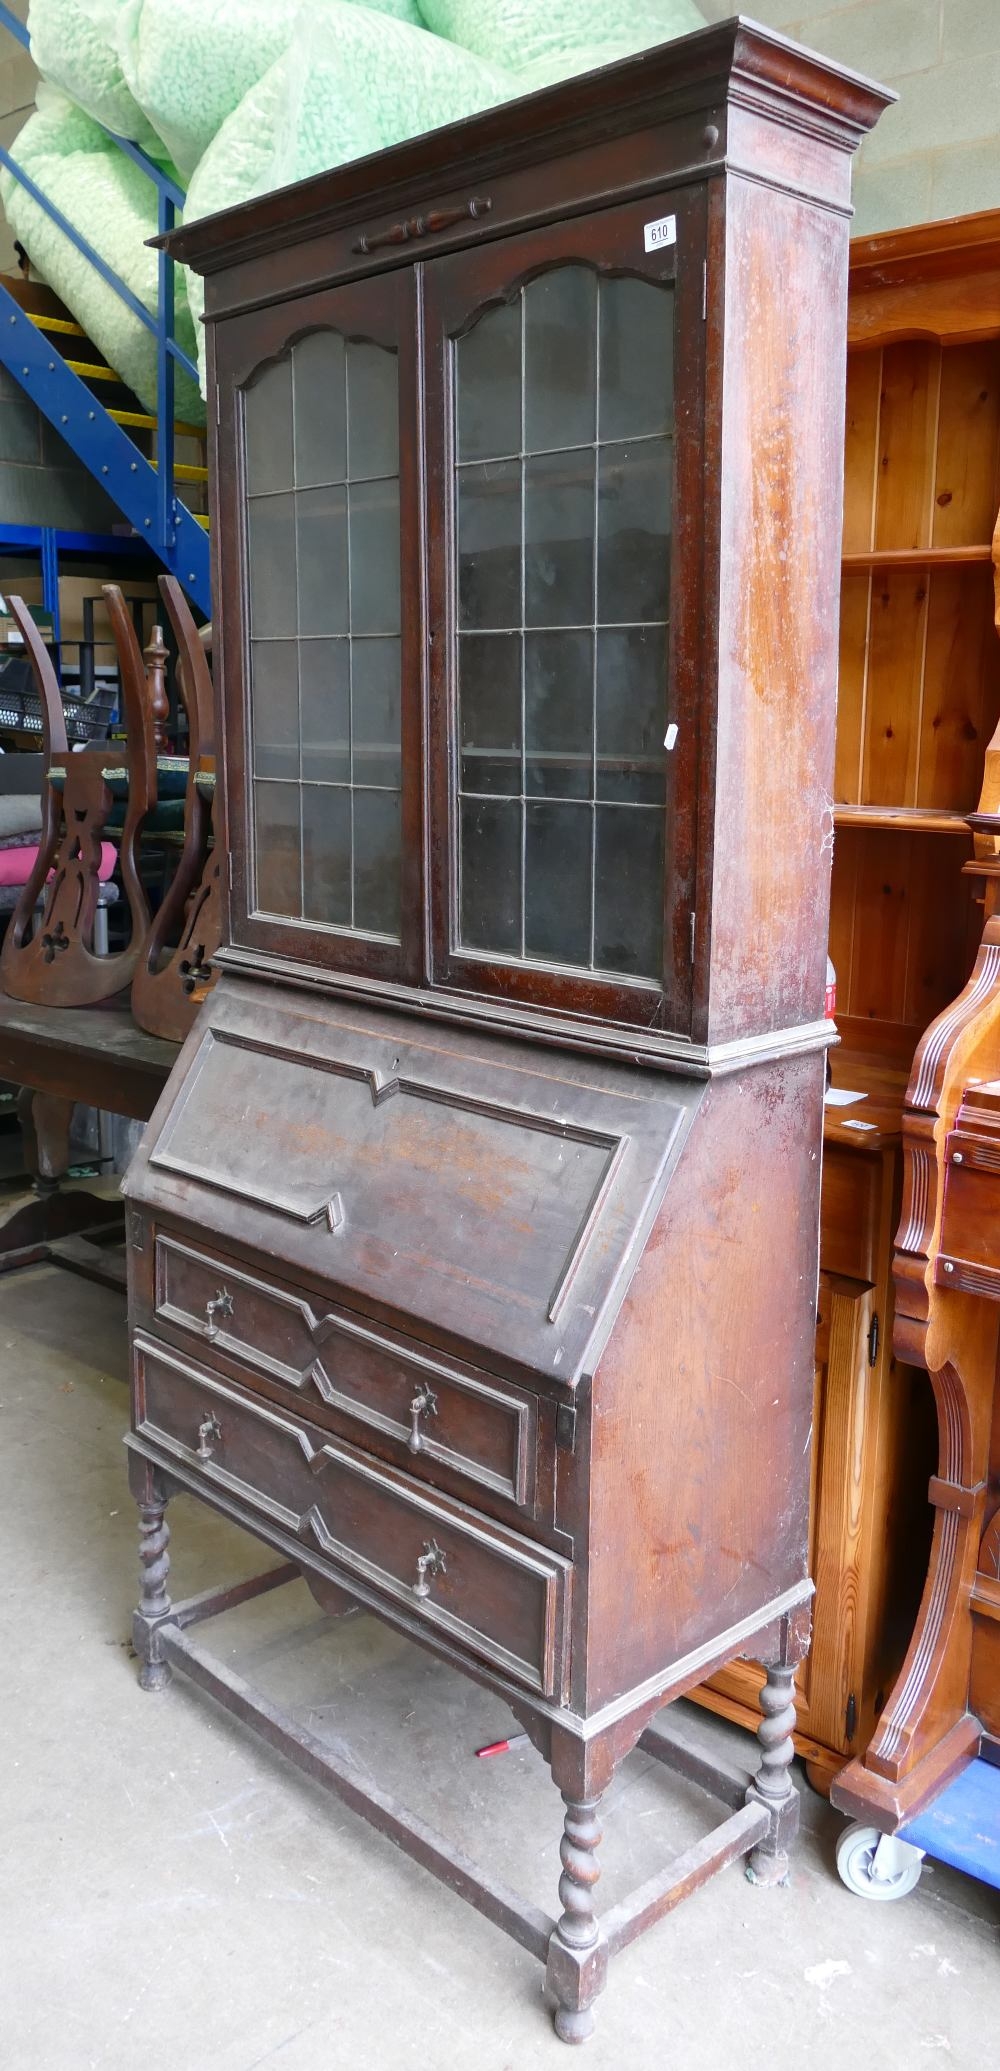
(563, 484)
(322, 487)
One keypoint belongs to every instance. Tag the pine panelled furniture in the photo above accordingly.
(919, 699)
(473, 1246)
(944, 1711)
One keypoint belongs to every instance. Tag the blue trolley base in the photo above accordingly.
(962, 1827)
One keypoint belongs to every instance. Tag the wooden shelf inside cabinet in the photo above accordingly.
(880, 1084)
(916, 557)
(910, 819)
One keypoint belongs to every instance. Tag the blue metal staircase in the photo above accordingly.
(145, 492)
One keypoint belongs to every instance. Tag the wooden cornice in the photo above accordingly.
(737, 63)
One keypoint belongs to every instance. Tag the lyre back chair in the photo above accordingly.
(49, 958)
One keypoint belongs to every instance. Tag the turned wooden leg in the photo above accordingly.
(45, 1120)
(577, 1965)
(772, 1786)
(154, 1603)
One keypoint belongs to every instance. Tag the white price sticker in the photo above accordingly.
(663, 231)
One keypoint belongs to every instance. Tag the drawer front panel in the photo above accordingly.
(849, 1214)
(969, 1256)
(433, 1406)
(500, 1598)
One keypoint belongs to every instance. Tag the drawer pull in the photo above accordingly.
(424, 1404)
(221, 1306)
(209, 1434)
(430, 1562)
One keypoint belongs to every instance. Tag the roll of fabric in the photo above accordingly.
(17, 862)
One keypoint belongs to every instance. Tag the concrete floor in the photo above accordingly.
(173, 1895)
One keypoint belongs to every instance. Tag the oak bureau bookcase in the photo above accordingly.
(473, 1247)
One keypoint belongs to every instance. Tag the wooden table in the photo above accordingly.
(59, 1056)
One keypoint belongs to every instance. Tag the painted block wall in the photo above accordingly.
(937, 153)
(18, 79)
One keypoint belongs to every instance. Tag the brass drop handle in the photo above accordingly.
(209, 1434)
(430, 1562)
(221, 1306)
(424, 1404)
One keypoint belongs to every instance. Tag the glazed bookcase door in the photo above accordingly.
(319, 548)
(564, 425)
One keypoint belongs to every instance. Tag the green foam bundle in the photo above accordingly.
(112, 204)
(246, 95)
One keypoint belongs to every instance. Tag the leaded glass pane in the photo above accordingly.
(558, 714)
(489, 387)
(490, 700)
(326, 853)
(559, 538)
(560, 347)
(279, 847)
(276, 710)
(491, 874)
(489, 545)
(320, 409)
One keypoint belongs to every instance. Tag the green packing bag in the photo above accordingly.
(113, 204)
(350, 82)
(189, 63)
(73, 43)
(568, 35)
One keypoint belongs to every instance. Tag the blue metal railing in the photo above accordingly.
(169, 355)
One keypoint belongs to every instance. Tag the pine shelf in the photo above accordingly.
(917, 557)
(909, 819)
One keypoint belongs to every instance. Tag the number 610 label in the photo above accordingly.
(663, 231)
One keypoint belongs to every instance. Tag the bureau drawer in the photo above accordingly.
(434, 1406)
(490, 1592)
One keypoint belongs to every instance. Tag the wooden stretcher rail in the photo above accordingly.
(336, 1772)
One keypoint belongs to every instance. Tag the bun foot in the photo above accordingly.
(574, 2024)
(155, 1675)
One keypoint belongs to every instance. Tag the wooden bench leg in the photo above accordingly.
(45, 1119)
(29, 1226)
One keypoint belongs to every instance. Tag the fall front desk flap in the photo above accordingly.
(488, 1195)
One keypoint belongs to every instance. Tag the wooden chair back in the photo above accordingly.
(175, 972)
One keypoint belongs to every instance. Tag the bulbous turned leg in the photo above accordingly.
(154, 1603)
(772, 1786)
(577, 1965)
